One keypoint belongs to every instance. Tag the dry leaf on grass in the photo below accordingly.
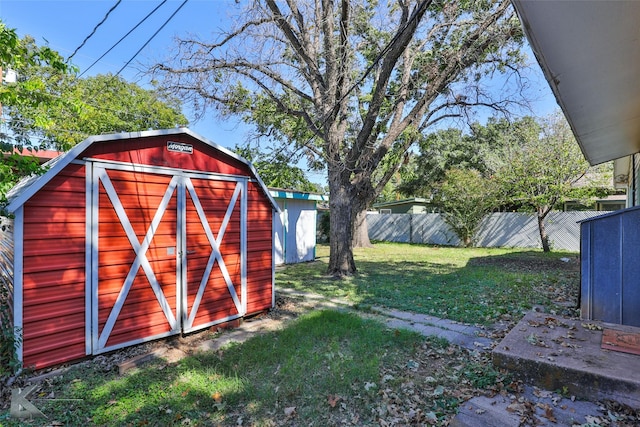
(333, 400)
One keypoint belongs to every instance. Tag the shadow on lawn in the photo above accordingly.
(483, 290)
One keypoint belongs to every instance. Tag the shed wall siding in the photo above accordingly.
(259, 251)
(54, 271)
(635, 191)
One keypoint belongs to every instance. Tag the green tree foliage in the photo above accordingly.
(108, 103)
(464, 197)
(13, 166)
(27, 93)
(275, 169)
(355, 82)
(30, 91)
(441, 151)
(481, 148)
(49, 107)
(535, 162)
(539, 166)
(91, 106)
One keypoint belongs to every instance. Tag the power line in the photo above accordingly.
(43, 138)
(115, 76)
(94, 29)
(152, 37)
(123, 37)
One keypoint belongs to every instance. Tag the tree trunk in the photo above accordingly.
(361, 231)
(341, 221)
(546, 247)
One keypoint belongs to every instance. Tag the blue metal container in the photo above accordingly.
(610, 267)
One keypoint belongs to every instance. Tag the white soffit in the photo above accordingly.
(589, 52)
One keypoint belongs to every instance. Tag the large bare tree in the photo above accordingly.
(354, 83)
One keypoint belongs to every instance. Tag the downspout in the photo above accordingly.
(633, 181)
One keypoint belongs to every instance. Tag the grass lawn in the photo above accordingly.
(474, 285)
(330, 367)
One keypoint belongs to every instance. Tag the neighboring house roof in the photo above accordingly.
(590, 55)
(27, 187)
(613, 198)
(42, 155)
(621, 172)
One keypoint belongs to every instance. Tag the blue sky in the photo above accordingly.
(64, 24)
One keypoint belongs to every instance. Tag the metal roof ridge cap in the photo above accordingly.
(233, 155)
(610, 214)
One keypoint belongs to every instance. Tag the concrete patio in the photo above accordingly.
(551, 353)
(556, 353)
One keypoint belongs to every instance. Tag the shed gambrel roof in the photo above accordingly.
(27, 187)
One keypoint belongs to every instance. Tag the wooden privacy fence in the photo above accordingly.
(501, 229)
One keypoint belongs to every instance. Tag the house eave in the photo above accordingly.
(580, 45)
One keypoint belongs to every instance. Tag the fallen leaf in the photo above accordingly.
(592, 326)
(431, 417)
(387, 378)
(548, 414)
(517, 408)
(593, 420)
(333, 400)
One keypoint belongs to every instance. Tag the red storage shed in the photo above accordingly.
(132, 237)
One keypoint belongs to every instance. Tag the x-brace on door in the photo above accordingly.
(167, 252)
